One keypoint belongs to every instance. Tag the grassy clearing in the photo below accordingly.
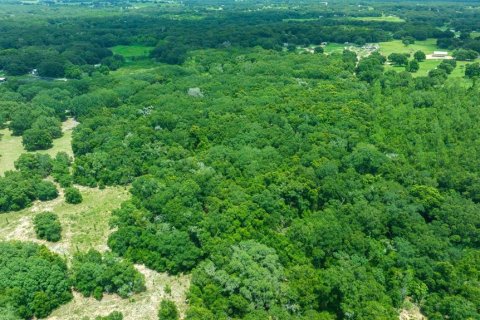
(142, 306)
(84, 225)
(135, 51)
(475, 34)
(11, 147)
(427, 46)
(334, 47)
(381, 19)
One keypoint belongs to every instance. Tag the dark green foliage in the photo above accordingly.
(51, 69)
(51, 124)
(19, 189)
(37, 139)
(34, 164)
(419, 56)
(47, 226)
(33, 281)
(447, 65)
(465, 55)
(73, 195)
(472, 70)
(45, 190)
(94, 274)
(168, 310)
(398, 59)
(412, 66)
(61, 169)
(299, 186)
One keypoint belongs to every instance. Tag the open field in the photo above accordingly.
(382, 19)
(11, 147)
(132, 51)
(334, 47)
(427, 46)
(85, 225)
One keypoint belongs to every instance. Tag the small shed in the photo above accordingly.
(3, 79)
(440, 54)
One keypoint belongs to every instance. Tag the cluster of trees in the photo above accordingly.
(33, 281)
(19, 188)
(289, 198)
(94, 274)
(296, 187)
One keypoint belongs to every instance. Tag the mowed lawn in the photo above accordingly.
(396, 46)
(135, 51)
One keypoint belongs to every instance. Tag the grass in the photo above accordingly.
(135, 51)
(84, 225)
(11, 146)
(334, 47)
(475, 34)
(427, 46)
(381, 19)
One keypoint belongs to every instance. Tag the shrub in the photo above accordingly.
(46, 190)
(47, 226)
(73, 195)
(168, 310)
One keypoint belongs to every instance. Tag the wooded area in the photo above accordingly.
(291, 180)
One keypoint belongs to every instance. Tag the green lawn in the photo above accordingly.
(132, 51)
(427, 46)
(334, 47)
(383, 19)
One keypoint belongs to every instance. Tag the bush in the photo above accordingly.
(37, 139)
(47, 226)
(94, 274)
(34, 164)
(45, 190)
(73, 195)
(168, 310)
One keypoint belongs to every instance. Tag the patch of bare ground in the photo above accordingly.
(411, 311)
(143, 306)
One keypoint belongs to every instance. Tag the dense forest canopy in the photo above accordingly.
(272, 150)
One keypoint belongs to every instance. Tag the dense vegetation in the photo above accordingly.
(33, 281)
(289, 184)
(47, 226)
(94, 274)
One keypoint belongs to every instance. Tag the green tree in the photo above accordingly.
(168, 310)
(472, 70)
(419, 56)
(412, 66)
(398, 59)
(73, 195)
(37, 139)
(47, 226)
